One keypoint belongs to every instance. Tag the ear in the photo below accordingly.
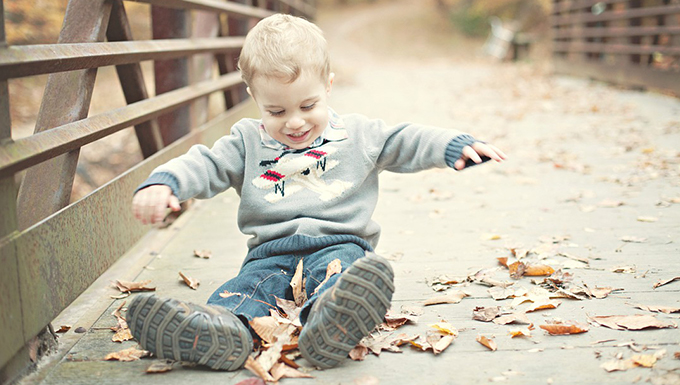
(329, 86)
(250, 92)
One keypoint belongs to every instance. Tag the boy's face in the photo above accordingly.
(296, 113)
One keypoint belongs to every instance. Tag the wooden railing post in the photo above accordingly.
(132, 81)
(47, 187)
(171, 74)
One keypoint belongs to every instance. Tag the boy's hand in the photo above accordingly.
(149, 204)
(476, 151)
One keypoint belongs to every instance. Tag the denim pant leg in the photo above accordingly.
(257, 285)
(315, 265)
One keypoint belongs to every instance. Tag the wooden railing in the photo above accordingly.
(50, 250)
(629, 42)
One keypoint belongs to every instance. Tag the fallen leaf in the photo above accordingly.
(563, 328)
(122, 335)
(485, 314)
(203, 254)
(128, 287)
(503, 261)
(335, 267)
(121, 296)
(490, 237)
(518, 318)
(488, 342)
(454, 297)
(617, 365)
(611, 203)
(393, 321)
(514, 333)
(257, 369)
(657, 309)
(665, 282)
(358, 353)
(297, 284)
(439, 342)
(574, 257)
(445, 327)
(624, 269)
(268, 328)
(647, 360)
(647, 219)
(516, 269)
(291, 310)
(130, 354)
(160, 366)
(538, 270)
(281, 370)
(632, 322)
(227, 294)
(543, 305)
(499, 293)
(631, 239)
(63, 329)
(191, 282)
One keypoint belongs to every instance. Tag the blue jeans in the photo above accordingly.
(260, 281)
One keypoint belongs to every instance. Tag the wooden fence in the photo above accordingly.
(50, 250)
(629, 42)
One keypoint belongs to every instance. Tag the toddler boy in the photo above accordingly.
(308, 182)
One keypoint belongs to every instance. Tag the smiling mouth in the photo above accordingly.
(298, 136)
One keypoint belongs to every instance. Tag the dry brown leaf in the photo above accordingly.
(191, 282)
(160, 366)
(446, 328)
(128, 287)
(440, 344)
(130, 354)
(665, 282)
(268, 328)
(257, 369)
(538, 270)
(624, 269)
(63, 329)
(299, 293)
(499, 293)
(335, 267)
(503, 261)
(227, 294)
(251, 381)
(518, 318)
(543, 305)
(359, 352)
(393, 321)
(454, 297)
(485, 314)
(203, 254)
(563, 328)
(657, 309)
(632, 322)
(290, 309)
(514, 333)
(281, 370)
(516, 269)
(122, 335)
(488, 342)
(617, 365)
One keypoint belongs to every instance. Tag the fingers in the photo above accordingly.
(489, 150)
(149, 205)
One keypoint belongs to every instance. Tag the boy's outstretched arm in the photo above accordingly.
(150, 203)
(476, 152)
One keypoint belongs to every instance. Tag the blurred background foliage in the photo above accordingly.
(472, 16)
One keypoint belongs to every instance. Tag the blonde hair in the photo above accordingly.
(282, 46)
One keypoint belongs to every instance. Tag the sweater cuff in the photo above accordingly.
(163, 178)
(454, 150)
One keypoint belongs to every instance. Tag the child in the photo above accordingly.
(308, 182)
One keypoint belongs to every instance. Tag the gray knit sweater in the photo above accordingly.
(329, 189)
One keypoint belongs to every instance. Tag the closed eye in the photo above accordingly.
(276, 113)
(308, 107)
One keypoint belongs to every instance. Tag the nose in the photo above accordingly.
(295, 122)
